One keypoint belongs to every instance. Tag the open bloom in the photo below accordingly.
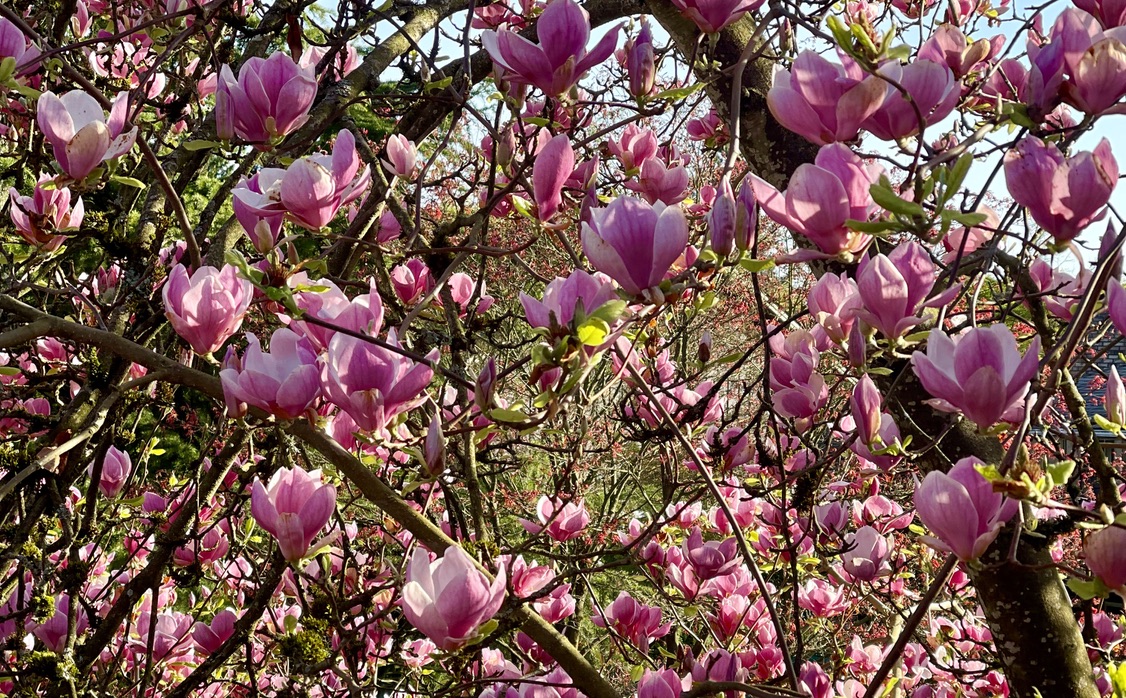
(821, 197)
(80, 134)
(207, 307)
(560, 521)
(43, 214)
(665, 683)
(962, 510)
(372, 384)
(980, 374)
(824, 102)
(293, 508)
(933, 92)
(311, 190)
(271, 98)
(634, 621)
(14, 45)
(635, 243)
(560, 59)
(448, 599)
(893, 288)
(712, 16)
(1063, 195)
(284, 381)
(563, 297)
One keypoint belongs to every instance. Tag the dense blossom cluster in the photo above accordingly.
(304, 392)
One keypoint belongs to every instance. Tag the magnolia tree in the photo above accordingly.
(638, 347)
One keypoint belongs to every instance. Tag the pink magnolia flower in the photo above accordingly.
(1115, 398)
(1110, 13)
(962, 510)
(1063, 195)
(284, 381)
(980, 374)
(633, 147)
(712, 16)
(833, 301)
(641, 62)
(824, 102)
(39, 217)
(372, 384)
(866, 558)
(638, 623)
(893, 288)
(401, 156)
(209, 638)
(660, 181)
(271, 98)
(561, 521)
(722, 220)
(293, 508)
(560, 59)
(346, 59)
(553, 166)
(412, 280)
(449, 599)
(206, 308)
(933, 91)
(115, 472)
(14, 45)
(311, 190)
(635, 243)
(1105, 551)
(80, 134)
(581, 292)
(665, 683)
(821, 197)
(53, 632)
(797, 390)
(950, 46)
(263, 231)
(823, 599)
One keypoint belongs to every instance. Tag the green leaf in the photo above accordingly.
(128, 181)
(537, 121)
(7, 68)
(956, 174)
(757, 265)
(593, 332)
(610, 311)
(872, 227)
(1060, 472)
(1087, 590)
(9, 371)
(969, 219)
(438, 84)
(522, 206)
(888, 200)
(501, 414)
(1107, 424)
(193, 146)
(678, 93)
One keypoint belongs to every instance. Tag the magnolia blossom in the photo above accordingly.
(665, 683)
(712, 16)
(449, 599)
(311, 190)
(373, 384)
(581, 292)
(962, 510)
(207, 307)
(980, 373)
(892, 289)
(640, 60)
(293, 508)
(554, 165)
(824, 102)
(116, 467)
(271, 98)
(638, 623)
(560, 59)
(401, 156)
(635, 243)
(284, 381)
(561, 521)
(932, 93)
(81, 135)
(821, 197)
(14, 45)
(39, 217)
(1105, 551)
(1063, 195)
